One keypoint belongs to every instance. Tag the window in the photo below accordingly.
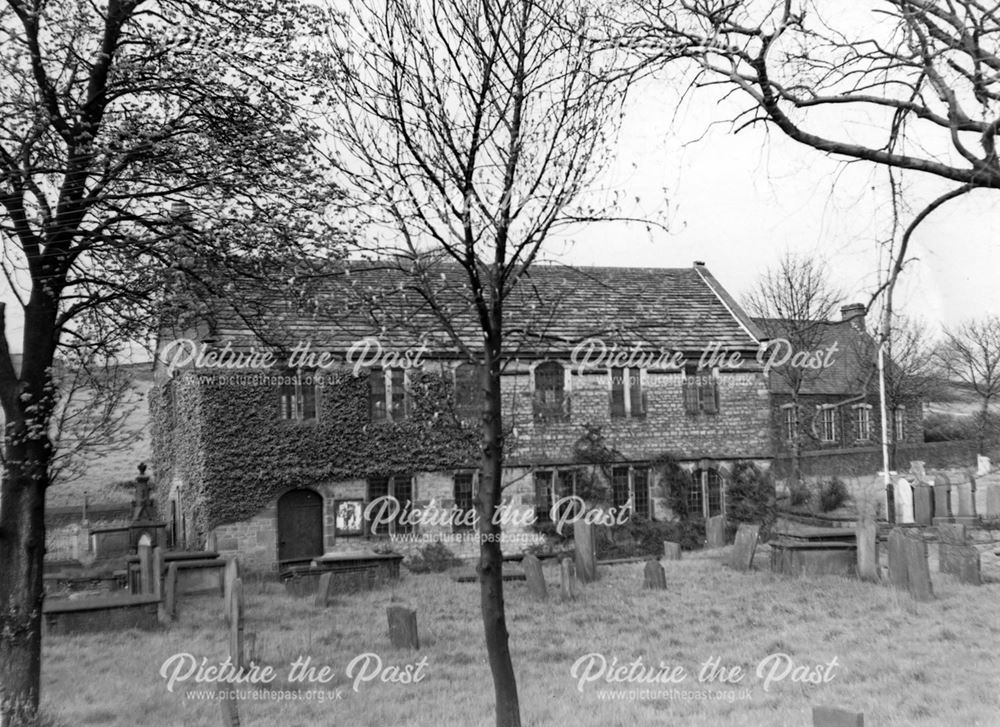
(627, 397)
(827, 425)
(790, 422)
(701, 391)
(550, 401)
(899, 423)
(862, 422)
(387, 400)
(297, 397)
(550, 486)
(464, 504)
(401, 488)
(631, 483)
(707, 495)
(468, 392)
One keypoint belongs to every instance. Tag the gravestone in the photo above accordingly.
(904, 501)
(744, 546)
(170, 593)
(671, 550)
(323, 595)
(230, 575)
(897, 560)
(993, 500)
(157, 568)
(956, 556)
(536, 579)
(966, 502)
(236, 625)
(835, 717)
(402, 627)
(715, 531)
(917, 572)
(982, 465)
(230, 712)
(865, 534)
(583, 544)
(923, 504)
(653, 576)
(942, 501)
(145, 569)
(567, 579)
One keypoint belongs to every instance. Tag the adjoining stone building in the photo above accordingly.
(611, 370)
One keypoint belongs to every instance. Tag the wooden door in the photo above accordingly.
(300, 525)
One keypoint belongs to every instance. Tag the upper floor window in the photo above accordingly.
(701, 391)
(899, 423)
(297, 397)
(550, 400)
(401, 488)
(468, 391)
(387, 395)
(627, 397)
(826, 425)
(465, 507)
(631, 483)
(863, 422)
(707, 495)
(790, 422)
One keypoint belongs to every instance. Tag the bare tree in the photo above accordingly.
(795, 301)
(110, 113)
(471, 128)
(970, 353)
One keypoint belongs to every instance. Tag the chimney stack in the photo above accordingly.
(853, 311)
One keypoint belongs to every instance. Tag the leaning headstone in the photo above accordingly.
(229, 577)
(715, 531)
(236, 625)
(534, 576)
(744, 546)
(917, 572)
(145, 568)
(170, 593)
(586, 560)
(671, 550)
(323, 595)
(865, 534)
(968, 564)
(923, 504)
(982, 465)
(403, 627)
(904, 502)
(834, 717)
(897, 560)
(567, 579)
(653, 576)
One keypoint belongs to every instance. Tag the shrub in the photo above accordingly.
(640, 537)
(432, 558)
(832, 494)
(799, 494)
(750, 497)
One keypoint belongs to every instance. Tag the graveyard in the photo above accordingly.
(897, 658)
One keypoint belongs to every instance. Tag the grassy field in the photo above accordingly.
(902, 663)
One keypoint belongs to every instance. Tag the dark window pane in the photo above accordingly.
(543, 496)
(308, 398)
(617, 393)
(468, 392)
(550, 402)
(689, 388)
(377, 487)
(402, 486)
(398, 394)
(619, 487)
(640, 487)
(695, 502)
(714, 484)
(637, 401)
(287, 401)
(376, 388)
(463, 502)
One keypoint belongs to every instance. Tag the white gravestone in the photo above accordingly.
(904, 501)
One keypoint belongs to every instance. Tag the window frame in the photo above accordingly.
(473, 476)
(298, 402)
(790, 422)
(862, 413)
(553, 490)
(389, 400)
(468, 404)
(899, 423)
(406, 481)
(821, 415)
(700, 392)
(633, 393)
(558, 410)
(704, 480)
(632, 489)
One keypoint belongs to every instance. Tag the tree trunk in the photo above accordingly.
(490, 567)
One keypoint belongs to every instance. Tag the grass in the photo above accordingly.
(900, 662)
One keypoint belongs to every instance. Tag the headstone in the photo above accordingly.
(834, 717)
(966, 504)
(323, 595)
(145, 568)
(403, 627)
(982, 465)
(671, 550)
(715, 531)
(865, 534)
(157, 566)
(952, 533)
(897, 560)
(942, 500)
(917, 572)
(536, 579)
(653, 576)
(567, 579)
(170, 593)
(923, 504)
(917, 469)
(993, 500)
(229, 577)
(236, 625)
(744, 546)
(583, 543)
(230, 712)
(904, 501)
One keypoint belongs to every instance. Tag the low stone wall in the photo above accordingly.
(108, 613)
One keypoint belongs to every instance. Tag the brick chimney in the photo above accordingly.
(853, 311)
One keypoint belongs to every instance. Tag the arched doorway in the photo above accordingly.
(300, 525)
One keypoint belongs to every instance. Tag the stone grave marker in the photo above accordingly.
(967, 564)
(951, 537)
(653, 576)
(904, 501)
(942, 500)
(865, 534)
(744, 546)
(583, 544)
(835, 717)
(402, 627)
(536, 579)
(715, 531)
(170, 593)
(993, 500)
(323, 595)
(966, 501)
(923, 503)
(145, 568)
(567, 579)
(229, 577)
(671, 550)
(918, 573)
(897, 560)
(230, 712)
(982, 465)
(236, 625)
